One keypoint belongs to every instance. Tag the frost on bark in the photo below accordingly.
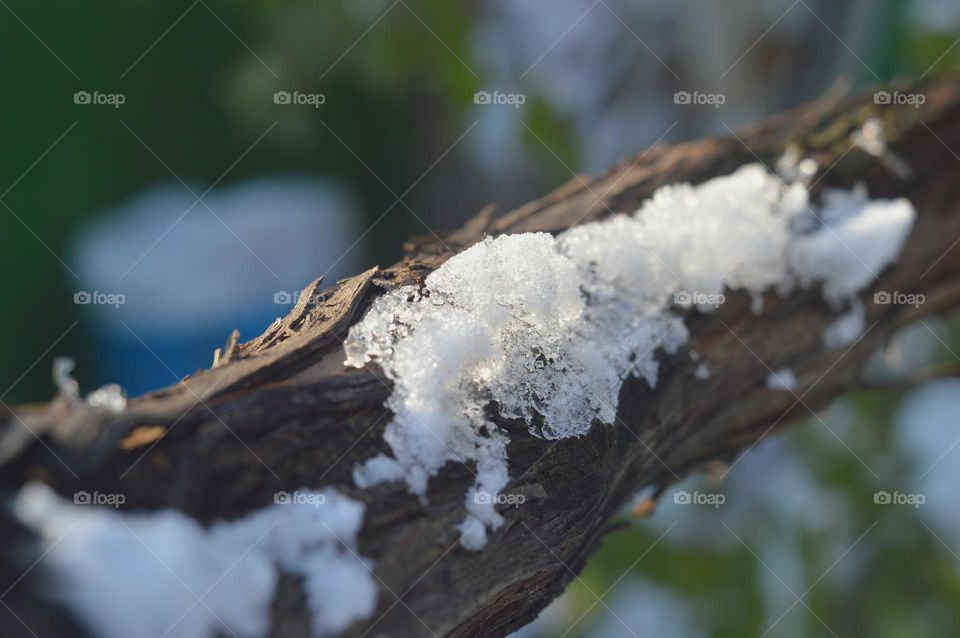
(282, 412)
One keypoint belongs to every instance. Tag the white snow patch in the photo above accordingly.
(141, 575)
(846, 328)
(702, 371)
(110, 398)
(783, 379)
(859, 239)
(546, 329)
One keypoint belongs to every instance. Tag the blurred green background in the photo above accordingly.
(103, 198)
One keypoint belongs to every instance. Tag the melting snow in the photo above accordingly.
(546, 329)
(783, 379)
(846, 328)
(132, 575)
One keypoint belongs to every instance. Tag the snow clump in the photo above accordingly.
(129, 575)
(546, 329)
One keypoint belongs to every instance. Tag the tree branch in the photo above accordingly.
(282, 412)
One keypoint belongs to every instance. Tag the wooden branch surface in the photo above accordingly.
(281, 412)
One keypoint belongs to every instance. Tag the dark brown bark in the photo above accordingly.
(286, 398)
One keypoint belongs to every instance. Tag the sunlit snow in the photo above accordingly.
(546, 329)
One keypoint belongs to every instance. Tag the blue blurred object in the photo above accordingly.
(168, 277)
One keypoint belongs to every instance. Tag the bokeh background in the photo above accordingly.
(200, 161)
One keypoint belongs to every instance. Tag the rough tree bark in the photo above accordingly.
(286, 396)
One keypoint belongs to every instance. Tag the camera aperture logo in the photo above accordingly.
(97, 298)
(285, 298)
(897, 298)
(899, 498)
(697, 98)
(96, 98)
(899, 98)
(99, 498)
(481, 497)
(683, 497)
(516, 100)
(299, 498)
(296, 98)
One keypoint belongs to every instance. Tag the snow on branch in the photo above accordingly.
(547, 329)
(555, 337)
